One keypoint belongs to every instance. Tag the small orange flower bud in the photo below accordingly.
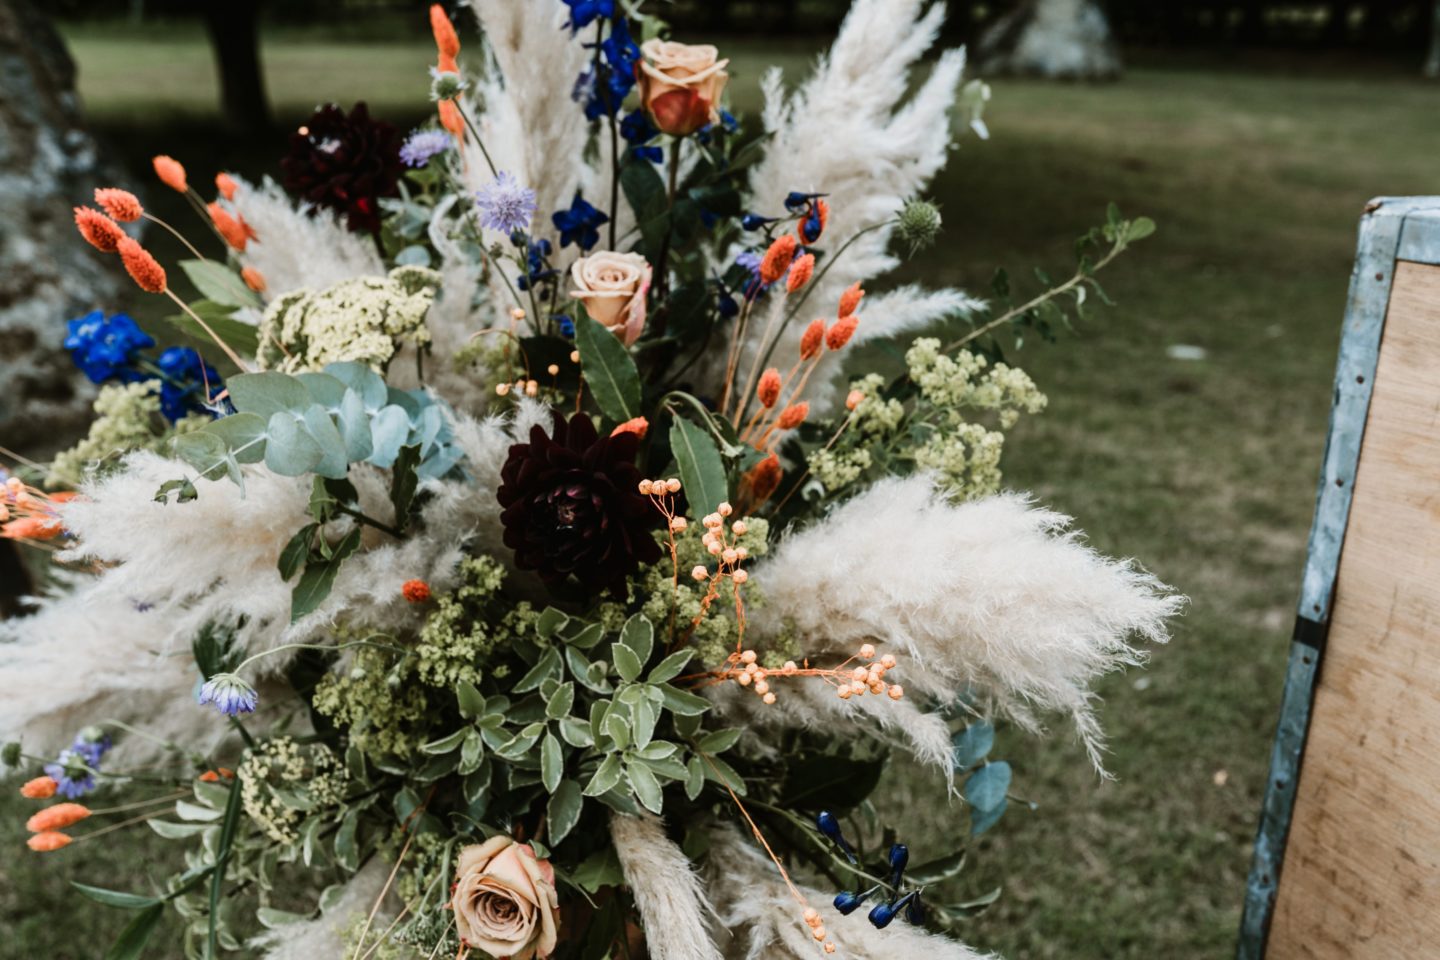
(793, 415)
(416, 591)
(451, 120)
(896, 692)
(171, 173)
(811, 339)
(447, 64)
(227, 225)
(888, 661)
(254, 279)
(765, 478)
(142, 267)
(673, 485)
(812, 916)
(646, 487)
(226, 185)
(853, 399)
(740, 576)
(867, 651)
(122, 205)
(800, 272)
(209, 776)
(31, 528)
(777, 259)
(769, 389)
(41, 788)
(638, 426)
(839, 334)
(850, 299)
(45, 842)
(769, 698)
(843, 693)
(99, 230)
(58, 817)
(446, 40)
(700, 573)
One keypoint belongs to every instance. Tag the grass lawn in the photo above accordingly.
(1205, 468)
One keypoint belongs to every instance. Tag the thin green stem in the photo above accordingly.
(1081, 276)
(804, 827)
(370, 521)
(474, 132)
(315, 646)
(175, 233)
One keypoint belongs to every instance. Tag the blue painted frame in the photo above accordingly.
(1392, 228)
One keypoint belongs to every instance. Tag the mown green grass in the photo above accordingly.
(1205, 469)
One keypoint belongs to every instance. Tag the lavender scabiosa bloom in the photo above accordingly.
(72, 773)
(505, 204)
(231, 695)
(423, 146)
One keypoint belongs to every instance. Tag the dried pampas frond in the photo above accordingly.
(328, 934)
(295, 247)
(991, 598)
(765, 922)
(667, 893)
(855, 131)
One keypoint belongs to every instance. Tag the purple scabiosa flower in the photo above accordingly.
(422, 146)
(754, 286)
(91, 744)
(231, 695)
(73, 774)
(505, 204)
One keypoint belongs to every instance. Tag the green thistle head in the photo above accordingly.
(919, 224)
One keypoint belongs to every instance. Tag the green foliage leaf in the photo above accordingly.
(719, 741)
(600, 869)
(609, 370)
(242, 337)
(290, 451)
(1140, 228)
(982, 820)
(670, 667)
(115, 898)
(682, 702)
(472, 702)
(406, 480)
(132, 940)
(648, 198)
(552, 762)
(268, 393)
(545, 668)
(701, 471)
(319, 577)
(942, 868)
(563, 810)
(605, 777)
(446, 744)
(973, 744)
(639, 635)
(627, 664)
(219, 284)
(560, 701)
(646, 787)
(986, 788)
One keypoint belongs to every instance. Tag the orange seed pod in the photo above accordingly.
(171, 173)
(839, 334)
(811, 339)
(768, 391)
(45, 842)
(122, 205)
(41, 788)
(777, 259)
(143, 268)
(99, 230)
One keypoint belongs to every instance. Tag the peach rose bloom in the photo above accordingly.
(613, 286)
(680, 85)
(505, 901)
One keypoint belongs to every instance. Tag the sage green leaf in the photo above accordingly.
(658, 750)
(472, 751)
(268, 393)
(627, 664)
(406, 480)
(721, 772)
(296, 551)
(608, 369)
(701, 471)
(670, 667)
(560, 701)
(549, 621)
(388, 431)
(617, 730)
(354, 425)
(324, 389)
(347, 851)
(586, 637)
(319, 577)
(364, 381)
(644, 726)
(552, 762)
(639, 635)
(472, 702)
(933, 871)
(243, 434)
(576, 733)
(719, 741)
(290, 451)
(322, 430)
(646, 787)
(204, 451)
(219, 284)
(446, 744)
(563, 811)
(547, 666)
(605, 777)
(682, 702)
(694, 777)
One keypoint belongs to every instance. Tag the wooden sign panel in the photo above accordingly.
(1347, 861)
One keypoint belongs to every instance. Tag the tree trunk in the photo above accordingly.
(1432, 62)
(48, 274)
(1059, 39)
(234, 28)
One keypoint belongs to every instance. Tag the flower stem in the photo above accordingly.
(176, 233)
(229, 352)
(662, 286)
(474, 132)
(370, 521)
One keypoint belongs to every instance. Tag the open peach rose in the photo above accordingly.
(680, 85)
(505, 901)
(613, 287)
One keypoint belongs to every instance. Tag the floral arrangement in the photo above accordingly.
(554, 570)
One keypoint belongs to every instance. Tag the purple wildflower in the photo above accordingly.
(424, 145)
(73, 774)
(231, 695)
(505, 204)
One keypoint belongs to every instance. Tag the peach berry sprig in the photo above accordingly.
(848, 681)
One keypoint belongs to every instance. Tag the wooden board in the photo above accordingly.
(1362, 864)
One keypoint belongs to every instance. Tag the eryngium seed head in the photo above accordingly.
(919, 224)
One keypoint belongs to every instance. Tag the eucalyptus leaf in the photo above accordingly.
(268, 393)
(987, 787)
(973, 744)
(290, 451)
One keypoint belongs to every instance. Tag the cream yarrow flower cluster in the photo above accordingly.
(363, 319)
(127, 418)
(280, 780)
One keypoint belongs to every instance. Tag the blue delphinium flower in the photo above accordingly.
(727, 124)
(189, 385)
(104, 348)
(231, 695)
(883, 913)
(506, 204)
(899, 858)
(567, 326)
(753, 221)
(795, 201)
(831, 828)
(638, 131)
(536, 269)
(847, 902)
(580, 224)
(605, 89)
(424, 146)
(585, 12)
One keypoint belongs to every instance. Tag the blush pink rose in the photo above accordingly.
(613, 287)
(680, 85)
(505, 901)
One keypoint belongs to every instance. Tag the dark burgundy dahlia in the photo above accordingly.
(344, 163)
(572, 506)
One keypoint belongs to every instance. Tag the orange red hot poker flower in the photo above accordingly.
(122, 205)
(171, 173)
(99, 231)
(230, 229)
